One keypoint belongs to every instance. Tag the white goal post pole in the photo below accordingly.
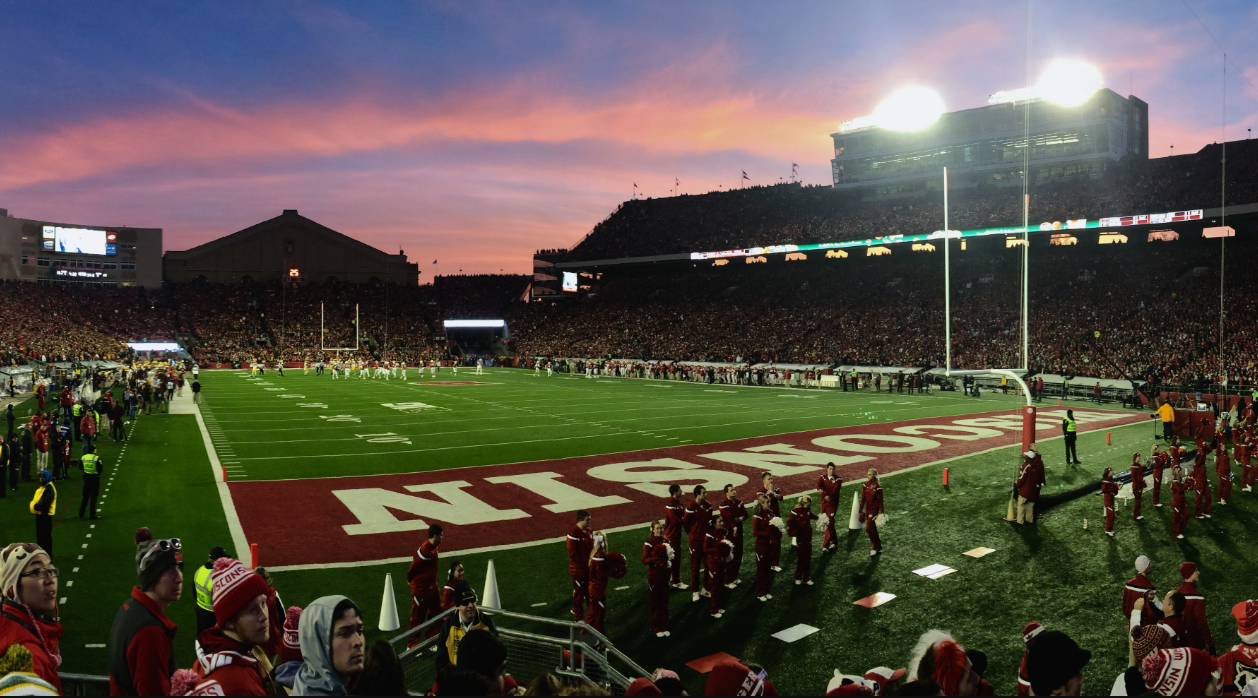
(947, 282)
(1027, 411)
(357, 328)
(322, 347)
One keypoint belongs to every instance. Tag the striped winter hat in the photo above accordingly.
(234, 587)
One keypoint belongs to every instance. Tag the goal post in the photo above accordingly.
(1027, 410)
(357, 331)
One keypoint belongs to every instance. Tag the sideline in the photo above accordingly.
(642, 526)
(185, 405)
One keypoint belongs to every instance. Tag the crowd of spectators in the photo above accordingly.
(1121, 312)
(793, 214)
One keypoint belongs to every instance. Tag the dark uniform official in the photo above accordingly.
(91, 481)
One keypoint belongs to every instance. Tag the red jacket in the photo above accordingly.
(229, 667)
(1240, 661)
(1222, 463)
(1136, 588)
(716, 546)
(147, 652)
(674, 512)
(87, 425)
(423, 572)
(766, 533)
(1109, 488)
(598, 579)
(697, 522)
(1137, 478)
(1196, 627)
(18, 628)
(829, 488)
(871, 500)
(580, 545)
(1178, 497)
(775, 500)
(800, 526)
(735, 513)
(1031, 478)
(655, 557)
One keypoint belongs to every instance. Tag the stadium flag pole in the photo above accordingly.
(1026, 200)
(388, 606)
(947, 282)
(1223, 224)
(321, 344)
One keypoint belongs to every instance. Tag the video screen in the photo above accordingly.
(570, 281)
(80, 240)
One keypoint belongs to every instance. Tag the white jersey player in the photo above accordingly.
(480, 366)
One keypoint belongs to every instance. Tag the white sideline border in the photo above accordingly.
(224, 494)
(618, 529)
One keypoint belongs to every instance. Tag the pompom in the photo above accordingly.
(777, 523)
(671, 553)
(143, 534)
(1152, 667)
(292, 616)
(183, 681)
(823, 522)
(223, 563)
(16, 658)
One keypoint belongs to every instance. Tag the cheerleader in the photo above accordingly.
(1137, 486)
(719, 550)
(1108, 489)
(1223, 467)
(871, 507)
(767, 534)
(449, 595)
(1179, 502)
(800, 525)
(1160, 461)
(829, 485)
(603, 566)
(658, 555)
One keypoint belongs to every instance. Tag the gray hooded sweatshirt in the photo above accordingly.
(317, 676)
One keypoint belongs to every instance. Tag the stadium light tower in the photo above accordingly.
(910, 108)
(1065, 82)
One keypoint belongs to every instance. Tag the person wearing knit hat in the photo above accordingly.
(1139, 587)
(28, 614)
(732, 678)
(953, 671)
(290, 645)
(225, 655)
(141, 660)
(1031, 631)
(202, 583)
(1196, 625)
(1240, 664)
(1181, 671)
(1055, 663)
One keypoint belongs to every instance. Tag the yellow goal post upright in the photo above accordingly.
(323, 347)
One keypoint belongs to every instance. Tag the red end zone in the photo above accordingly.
(360, 519)
(449, 383)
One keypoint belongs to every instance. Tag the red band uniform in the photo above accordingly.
(828, 489)
(655, 557)
(580, 545)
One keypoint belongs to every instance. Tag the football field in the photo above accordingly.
(335, 482)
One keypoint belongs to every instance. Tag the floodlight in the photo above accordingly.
(909, 109)
(1068, 82)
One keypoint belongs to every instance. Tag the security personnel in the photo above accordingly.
(92, 467)
(203, 581)
(1068, 427)
(44, 507)
(78, 418)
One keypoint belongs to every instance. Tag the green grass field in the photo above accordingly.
(1056, 572)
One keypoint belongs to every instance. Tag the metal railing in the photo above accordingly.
(83, 684)
(535, 645)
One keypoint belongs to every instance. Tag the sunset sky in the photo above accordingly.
(475, 133)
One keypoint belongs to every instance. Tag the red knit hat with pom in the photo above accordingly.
(950, 663)
(234, 587)
(290, 648)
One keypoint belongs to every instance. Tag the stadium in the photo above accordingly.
(882, 422)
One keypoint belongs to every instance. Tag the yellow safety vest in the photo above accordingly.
(1070, 425)
(39, 493)
(90, 463)
(78, 410)
(204, 584)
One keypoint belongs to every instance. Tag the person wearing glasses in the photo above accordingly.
(141, 660)
(28, 615)
(457, 625)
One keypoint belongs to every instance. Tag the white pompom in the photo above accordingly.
(823, 522)
(777, 523)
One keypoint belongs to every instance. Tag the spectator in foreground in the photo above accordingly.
(28, 582)
(225, 655)
(1181, 671)
(141, 659)
(331, 635)
(483, 653)
(1055, 665)
(456, 626)
(382, 672)
(735, 679)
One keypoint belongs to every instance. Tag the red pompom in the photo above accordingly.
(142, 534)
(617, 568)
(183, 681)
(223, 563)
(292, 616)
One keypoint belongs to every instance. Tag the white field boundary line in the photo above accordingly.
(642, 526)
(224, 494)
